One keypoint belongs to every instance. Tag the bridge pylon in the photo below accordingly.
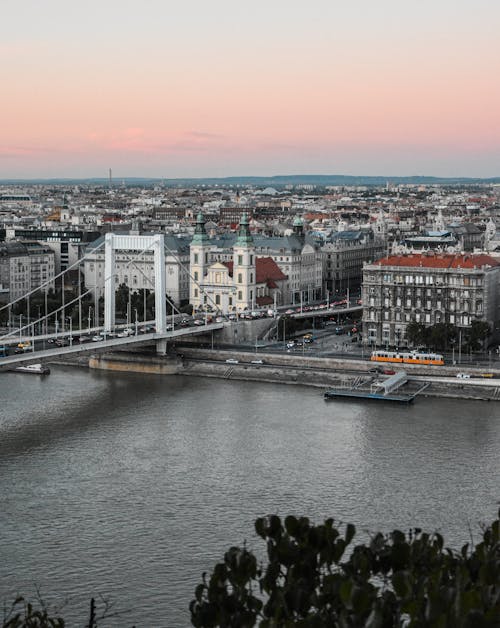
(140, 243)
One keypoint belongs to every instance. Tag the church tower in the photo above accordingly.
(244, 275)
(490, 234)
(298, 228)
(198, 262)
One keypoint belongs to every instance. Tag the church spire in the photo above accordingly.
(244, 235)
(200, 234)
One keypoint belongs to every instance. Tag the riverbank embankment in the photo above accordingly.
(294, 369)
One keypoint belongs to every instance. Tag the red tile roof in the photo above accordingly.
(438, 260)
(266, 270)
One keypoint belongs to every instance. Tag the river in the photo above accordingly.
(130, 486)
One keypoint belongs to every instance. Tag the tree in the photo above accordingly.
(315, 578)
(477, 334)
(416, 333)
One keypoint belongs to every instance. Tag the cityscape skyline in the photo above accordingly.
(219, 90)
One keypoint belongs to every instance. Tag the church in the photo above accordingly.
(246, 282)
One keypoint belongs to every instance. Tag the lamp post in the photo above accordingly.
(20, 327)
(89, 318)
(136, 321)
(70, 319)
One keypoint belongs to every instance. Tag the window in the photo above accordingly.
(195, 258)
(230, 300)
(240, 295)
(251, 260)
(217, 299)
(240, 278)
(195, 275)
(240, 260)
(196, 293)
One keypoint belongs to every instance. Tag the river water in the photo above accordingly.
(130, 486)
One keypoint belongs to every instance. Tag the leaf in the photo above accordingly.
(349, 533)
(291, 525)
(400, 584)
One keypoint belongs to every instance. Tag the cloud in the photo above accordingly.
(204, 135)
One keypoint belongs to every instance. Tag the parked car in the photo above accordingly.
(463, 375)
(257, 362)
(232, 361)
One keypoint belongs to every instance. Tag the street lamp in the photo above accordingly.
(136, 321)
(89, 317)
(70, 319)
(20, 326)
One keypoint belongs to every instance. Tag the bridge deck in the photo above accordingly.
(103, 345)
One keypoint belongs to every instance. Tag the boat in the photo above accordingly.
(35, 369)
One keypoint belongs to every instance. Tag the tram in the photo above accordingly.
(407, 357)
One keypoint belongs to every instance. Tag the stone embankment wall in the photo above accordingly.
(281, 368)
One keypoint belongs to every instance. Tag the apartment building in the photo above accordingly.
(24, 266)
(344, 254)
(135, 269)
(428, 288)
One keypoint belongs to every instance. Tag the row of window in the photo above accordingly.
(429, 279)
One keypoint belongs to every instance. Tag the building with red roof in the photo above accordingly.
(428, 288)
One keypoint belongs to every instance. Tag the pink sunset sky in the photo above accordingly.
(195, 88)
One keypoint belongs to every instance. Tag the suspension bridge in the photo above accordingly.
(32, 337)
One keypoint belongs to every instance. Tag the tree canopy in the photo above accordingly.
(316, 577)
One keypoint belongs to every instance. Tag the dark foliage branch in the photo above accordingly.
(310, 580)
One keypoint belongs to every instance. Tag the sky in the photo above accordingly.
(193, 88)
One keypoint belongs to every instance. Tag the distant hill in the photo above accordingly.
(277, 181)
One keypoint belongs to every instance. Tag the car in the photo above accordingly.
(84, 339)
(289, 312)
(463, 375)
(487, 375)
(290, 345)
(232, 361)
(199, 322)
(97, 338)
(388, 371)
(257, 362)
(22, 349)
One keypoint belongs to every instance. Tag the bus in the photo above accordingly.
(4, 352)
(408, 357)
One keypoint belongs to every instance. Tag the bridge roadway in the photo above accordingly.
(103, 345)
(325, 312)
